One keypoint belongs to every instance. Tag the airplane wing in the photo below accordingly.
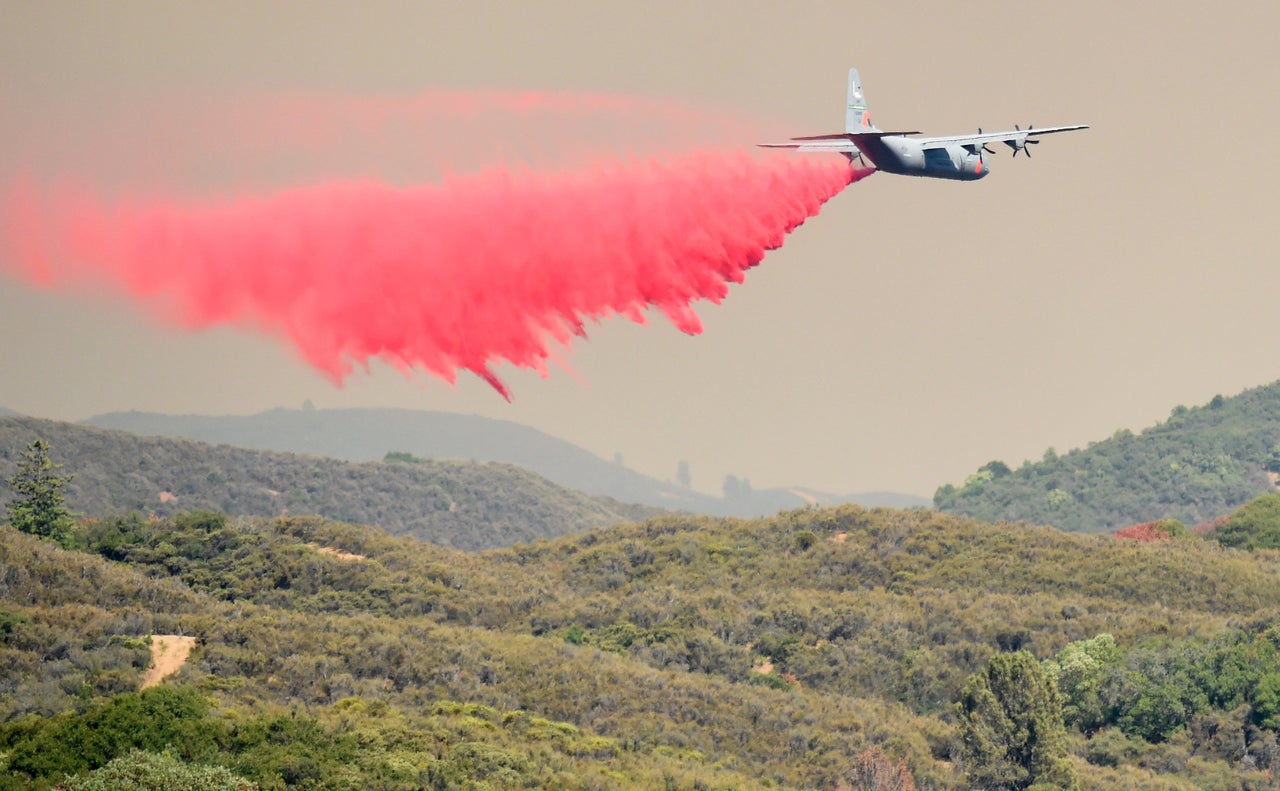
(1014, 138)
(1017, 139)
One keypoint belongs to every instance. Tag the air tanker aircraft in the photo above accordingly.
(959, 157)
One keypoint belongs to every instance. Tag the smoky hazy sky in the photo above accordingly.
(913, 331)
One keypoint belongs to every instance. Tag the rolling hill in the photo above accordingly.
(369, 434)
(1201, 463)
(458, 504)
(683, 652)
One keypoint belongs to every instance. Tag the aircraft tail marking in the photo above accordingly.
(857, 118)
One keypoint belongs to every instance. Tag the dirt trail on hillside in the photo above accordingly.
(169, 653)
(340, 554)
(808, 498)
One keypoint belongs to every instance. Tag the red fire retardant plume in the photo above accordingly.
(477, 270)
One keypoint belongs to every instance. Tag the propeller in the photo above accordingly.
(1022, 146)
(985, 147)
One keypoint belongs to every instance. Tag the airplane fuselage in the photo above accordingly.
(954, 157)
(907, 157)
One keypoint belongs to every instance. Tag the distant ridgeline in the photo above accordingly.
(368, 434)
(464, 505)
(1200, 464)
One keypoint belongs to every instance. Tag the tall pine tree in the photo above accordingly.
(38, 508)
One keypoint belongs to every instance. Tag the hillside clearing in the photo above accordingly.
(169, 653)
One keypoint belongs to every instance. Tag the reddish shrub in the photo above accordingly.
(1145, 532)
(1211, 525)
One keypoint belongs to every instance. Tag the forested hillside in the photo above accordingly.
(459, 504)
(1201, 463)
(369, 434)
(815, 649)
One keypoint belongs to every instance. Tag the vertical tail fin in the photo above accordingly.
(857, 117)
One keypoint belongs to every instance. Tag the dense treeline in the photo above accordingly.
(1198, 465)
(175, 734)
(680, 651)
(460, 504)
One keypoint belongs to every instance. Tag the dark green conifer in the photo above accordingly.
(38, 508)
(1011, 730)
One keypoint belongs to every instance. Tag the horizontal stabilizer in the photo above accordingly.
(853, 135)
(844, 142)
